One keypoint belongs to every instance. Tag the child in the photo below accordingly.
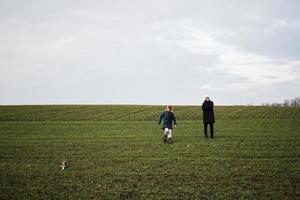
(168, 117)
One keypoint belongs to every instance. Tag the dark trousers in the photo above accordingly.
(211, 126)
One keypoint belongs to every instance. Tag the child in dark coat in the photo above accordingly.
(168, 117)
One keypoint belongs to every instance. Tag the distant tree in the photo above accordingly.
(276, 104)
(295, 102)
(286, 103)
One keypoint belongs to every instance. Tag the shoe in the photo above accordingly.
(170, 141)
(164, 139)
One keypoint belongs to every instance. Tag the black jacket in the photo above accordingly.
(168, 117)
(208, 112)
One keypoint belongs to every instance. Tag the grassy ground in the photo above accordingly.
(116, 152)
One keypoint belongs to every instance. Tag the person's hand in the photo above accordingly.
(174, 125)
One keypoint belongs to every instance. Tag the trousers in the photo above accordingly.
(211, 126)
(168, 132)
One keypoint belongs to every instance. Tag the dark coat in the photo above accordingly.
(208, 112)
(168, 117)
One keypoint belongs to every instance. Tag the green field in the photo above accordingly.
(116, 152)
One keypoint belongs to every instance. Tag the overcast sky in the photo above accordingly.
(149, 52)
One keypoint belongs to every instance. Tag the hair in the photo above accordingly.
(169, 107)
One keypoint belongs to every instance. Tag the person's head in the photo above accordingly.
(206, 98)
(169, 108)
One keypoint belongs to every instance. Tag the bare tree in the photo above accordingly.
(286, 103)
(276, 104)
(295, 102)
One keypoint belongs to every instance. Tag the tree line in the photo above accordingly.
(295, 102)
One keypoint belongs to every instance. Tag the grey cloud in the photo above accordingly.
(131, 51)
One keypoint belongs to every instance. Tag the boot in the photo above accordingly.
(170, 141)
(165, 138)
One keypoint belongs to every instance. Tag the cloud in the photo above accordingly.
(137, 51)
(258, 69)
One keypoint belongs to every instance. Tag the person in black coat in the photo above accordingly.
(168, 119)
(208, 116)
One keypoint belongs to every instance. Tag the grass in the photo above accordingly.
(116, 152)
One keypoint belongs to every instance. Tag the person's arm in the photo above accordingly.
(210, 105)
(207, 106)
(161, 117)
(174, 119)
(202, 106)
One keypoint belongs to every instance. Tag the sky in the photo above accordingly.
(149, 52)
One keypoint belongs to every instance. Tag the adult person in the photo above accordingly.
(208, 116)
(168, 117)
